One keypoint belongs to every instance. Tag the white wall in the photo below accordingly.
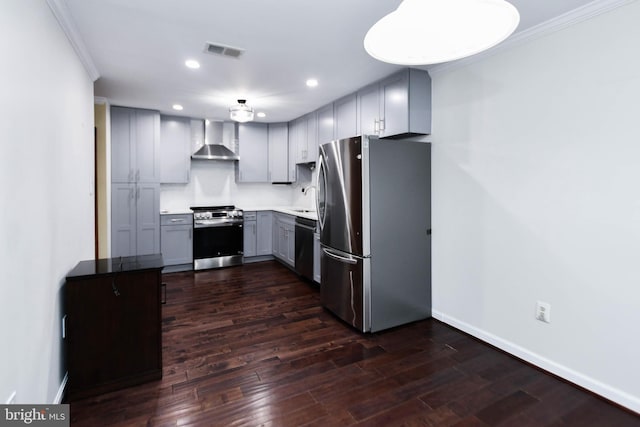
(213, 183)
(536, 196)
(46, 173)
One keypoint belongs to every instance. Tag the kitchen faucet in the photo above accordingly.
(306, 189)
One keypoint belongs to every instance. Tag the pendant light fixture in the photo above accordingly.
(421, 32)
(241, 112)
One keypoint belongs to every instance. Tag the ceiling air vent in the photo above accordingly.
(219, 49)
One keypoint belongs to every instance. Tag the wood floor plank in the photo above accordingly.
(251, 345)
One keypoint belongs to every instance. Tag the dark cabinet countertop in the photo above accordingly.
(109, 266)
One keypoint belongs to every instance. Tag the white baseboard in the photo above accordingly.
(60, 394)
(615, 395)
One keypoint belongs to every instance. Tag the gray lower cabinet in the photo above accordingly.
(257, 233)
(284, 238)
(250, 234)
(264, 233)
(135, 219)
(176, 241)
(253, 143)
(175, 149)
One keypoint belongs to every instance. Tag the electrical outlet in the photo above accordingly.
(12, 399)
(543, 311)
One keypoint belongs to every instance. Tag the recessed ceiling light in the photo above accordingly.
(192, 63)
(177, 107)
(312, 82)
(261, 114)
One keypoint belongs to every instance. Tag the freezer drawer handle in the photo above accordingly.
(339, 258)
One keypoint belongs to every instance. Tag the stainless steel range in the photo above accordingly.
(217, 236)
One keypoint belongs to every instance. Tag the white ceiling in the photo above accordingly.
(139, 48)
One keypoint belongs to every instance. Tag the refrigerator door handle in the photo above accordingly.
(321, 175)
(340, 258)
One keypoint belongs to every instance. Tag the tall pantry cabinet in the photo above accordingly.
(135, 182)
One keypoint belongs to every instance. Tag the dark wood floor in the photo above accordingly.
(251, 346)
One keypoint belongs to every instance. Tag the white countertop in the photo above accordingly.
(289, 210)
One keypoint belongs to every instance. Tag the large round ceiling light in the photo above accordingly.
(421, 32)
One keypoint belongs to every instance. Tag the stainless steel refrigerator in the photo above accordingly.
(374, 217)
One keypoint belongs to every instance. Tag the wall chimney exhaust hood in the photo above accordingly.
(217, 137)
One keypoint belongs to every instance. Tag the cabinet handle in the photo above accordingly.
(177, 220)
(138, 175)
(381, 124)
(376, 126)
(164, 288)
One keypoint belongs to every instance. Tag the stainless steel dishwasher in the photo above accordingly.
(304, 247)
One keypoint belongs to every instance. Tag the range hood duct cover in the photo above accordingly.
(216, 134)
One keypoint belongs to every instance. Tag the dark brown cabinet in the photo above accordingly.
(113, 324)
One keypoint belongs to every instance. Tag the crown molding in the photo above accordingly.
(583, 13)
(63, 15)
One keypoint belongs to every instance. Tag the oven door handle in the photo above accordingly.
(219, 224)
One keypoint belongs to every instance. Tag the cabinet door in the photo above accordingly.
(148, 219)
(283, 244)
(264, 234)
(346, 117)
(300, 138)
(311, 153)
(176, 243)
(394, 104)
(290, 255)
(123, 220)
(250, 236)
(325, 125)
(122, 168)
(253, 141)
(147, 146)
(275, 235)
(113, 337)
(369, 110)
(175, 135)
(278, 152)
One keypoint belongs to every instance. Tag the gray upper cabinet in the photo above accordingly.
(369, 109)
(311, 152)
(278, 152)
(345, 117)
(253, 142)
(135, 145)
(298, 138)
(397, 105)
(175, 147)
(325, 125)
